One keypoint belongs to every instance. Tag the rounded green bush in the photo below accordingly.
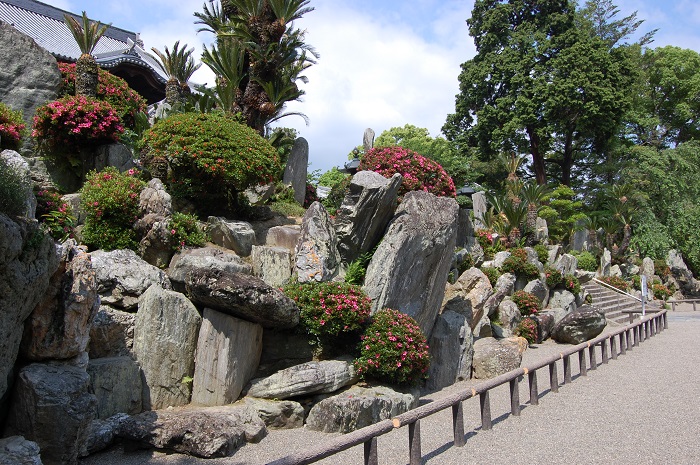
(527, 303)
(492, 273)
(552, 276)
(517, 264)
(542, 253)
(527, 328)
(14, 190)
(393, 349)
(55, 215)
(587, 261)
(572, 284)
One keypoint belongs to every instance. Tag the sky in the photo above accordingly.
(383, 63)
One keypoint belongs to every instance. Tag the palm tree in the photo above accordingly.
(87, 37)
(533, 195)
(179, 66)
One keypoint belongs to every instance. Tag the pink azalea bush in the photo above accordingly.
(393, 349)
(527, 328)
(419, 173)
(528, 303)
(72, 122)
(11, 127)
(55, 214)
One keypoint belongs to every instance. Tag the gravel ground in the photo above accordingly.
(641, 408)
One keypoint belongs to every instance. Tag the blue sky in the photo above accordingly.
(383, 63)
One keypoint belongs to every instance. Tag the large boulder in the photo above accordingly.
(359, 407)
(566, 264)
(116, 383)
(242, 296)
(19, 165)
(165, 340)
(283, 236)
(368, 206)
(228, 352)
(234, 235)
(541, 231)
(605, 263)
(277, 414)
(321, 377)
(156, 246)
(408, 272)
(122, 276)
(580, 326)
(52, 407)
(206, 432)
(185, 262)
(494, 357)
(468, 295)
(59, 327)
(561, 298)
(102, 434)
(112, 333)
(25, 270)
(539, 289)
(451, 351)
(15, 450)
(272, 264)
(98, 158)
(480, 207)
(317, 256)
(296, 169)
(680, 272)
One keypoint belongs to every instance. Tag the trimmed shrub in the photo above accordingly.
(527, 328)
(586, 261)
(335, 198)
(518, 265)
(185, 231)
(528, 303)
(492, 273)
(661, 292)
(393, 349)
(616, 282)
(542, 252)
(419, 173)
(552, 276)
(111, 203)
(661, 268)
(14, 189)
(11, 127)
(55, 215)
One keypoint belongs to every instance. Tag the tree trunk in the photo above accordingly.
(86, 76)
(537, 158)
(568, 159)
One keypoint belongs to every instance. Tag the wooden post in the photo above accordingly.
(624, 342)
(582, 362)
(371, 456)
(485, 405)
(534, 393)
(515, 397)
(553, 377)
(458, 424)
(613, 347)
(665, 321)
(694, 308)
(673, 305)
(604, 351)
(567, 369)
(592, 357)
(414, 443)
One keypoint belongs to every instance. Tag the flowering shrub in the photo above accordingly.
(616, 282)
(329, 310)
(11, 127)
(552, 276)
(527, 303)
(111, 203)
(208, 156)
(55, 214)
(661, 268)
(661, 291)
(419, 173)
(393, 349)
(492, 273)
(484, 237)
(572, 284)
(185, 230)
(310, 196)
(527, 328)
(518, 265)
(72, 122)
(110, 88)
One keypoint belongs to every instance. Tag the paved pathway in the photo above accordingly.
(641, 408)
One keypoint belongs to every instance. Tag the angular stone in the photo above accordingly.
(451, 351)
(15, 162)
(500, 258)
(468, 295)
(317, 256)
(584, 276)
(52, 407)
(561, 298)
(59, 327)
(508, 318)
(368, 139)
(233, 235)
(102, 433)
(259, 194)
(483, 328)
(359, 407)
(579, 240)
(242, 296)
(122, 276)
(605, 263)
(165, 339)
(154, 199)
(616, 271)
(321, 377)
(111, 333)
(423, 231)
(283, 236)
(554, 253)
(539, 289)
(74, 200)
(495, 357)
(206, 432)
(545, 325)
(283, 349)
(505, 284)
(15, 450)
(541, 231)
(116, 382)
(156, 247)
(680, 272)
(277, 414)
(296, 170)
(228, 353)
(116, 155)
(187, 261)
(580, 326)
(368, 206)
(566, 264)
(272, 264)
(557, 314)
(480, 207)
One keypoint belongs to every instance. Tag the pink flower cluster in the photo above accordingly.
(11, 126)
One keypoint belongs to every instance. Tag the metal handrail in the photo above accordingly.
(616, 289)
(629, 336)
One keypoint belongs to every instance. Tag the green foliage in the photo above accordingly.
(332, 177)
(586, 261)
(393, 349)
(492, 273)
(55, 215)
(542, 252)
(335, 198)
(110, 200)
(310, 195)
(562, 213)
(517, 264)
(283, 201)
(86, 34)
(552, 276)
(14, 190)
(357, 270)
(661, 292)
(527, 303)
(572, 284)
(185, 231)
(12, 128)
(527, 328)
(661, 268)
(637, 282)
(616, 282)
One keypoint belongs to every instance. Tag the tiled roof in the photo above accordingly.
(44, 23)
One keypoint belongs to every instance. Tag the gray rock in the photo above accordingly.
(116, 383)
(545, 325)
(59, 326)
(122, 276)
(508, 318)
(557, 314)
(468, 295)
(584, 276)
(605, 263)
(228, 353)
(465, 229)
(272, 264)
(15, 450)
(561, 298)
(368, 139)
(423, 231)
(368, 206)
(680, 272)
(156, 247)
(259, 194)
(451, 351)
(321, 377)
(74, 200)
(616, 271)
(554, 252)
(359, 407)
(112, 333)
(580, 326)
(185, 262)
(500, 258)
(165, 339)
(566, 264)
(317, 256)
(277, 414)
(296, 170)
(206, 432)
(102, 434)
(242, 296)
(495, 357)
(539, 289)
(283, 349)
(480, 207)
(283, 236)
(234, 235)
(648, 268)
(541, 231)
(116, 155)
(154, 199)
(483, 328)
(579, 240)
(505, 284)
(22, 268)
(52, 407)
(19, 165)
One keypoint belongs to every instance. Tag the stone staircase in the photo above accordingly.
(612, 303)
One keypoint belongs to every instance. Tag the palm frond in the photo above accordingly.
(86, 35)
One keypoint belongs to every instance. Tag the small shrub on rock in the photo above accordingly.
(542, 252)
(572, 284)
(335, 198)
(111, 203)
(310, 196)
(661, 292)
(55, 215)
(528, 303)
(527, 328)
(185, 231)
(518, 265)
(552, 276)
(419, 173)
(586, 261)
(393, 349)
(11, 127)
(14, 189)
(661, 268)
(492, 273)
(616, 282)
